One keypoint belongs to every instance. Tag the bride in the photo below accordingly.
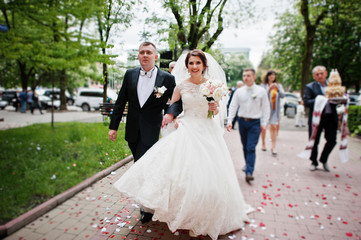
(187, 178)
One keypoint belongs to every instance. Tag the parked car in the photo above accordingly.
(88, 98)
(9, 96)
(353, 99)
(3, 104)
(46, 103)
(289, 103)
(56, 95)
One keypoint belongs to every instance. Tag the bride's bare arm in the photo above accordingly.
(176, 95)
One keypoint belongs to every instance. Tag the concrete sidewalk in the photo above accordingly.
(291, 201)
(14, 119)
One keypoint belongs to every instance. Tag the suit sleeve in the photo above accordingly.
(120, 104)
(308, 97)
(177, 107)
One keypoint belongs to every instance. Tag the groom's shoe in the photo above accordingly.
(249, 178)
(146, 217)
(326, 167)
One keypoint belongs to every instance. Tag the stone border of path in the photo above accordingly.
(26, 218)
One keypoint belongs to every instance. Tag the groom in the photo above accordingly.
(146, 101)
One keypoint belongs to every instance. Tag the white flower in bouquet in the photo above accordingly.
(218, 94)
(205, 91)
(213, 90)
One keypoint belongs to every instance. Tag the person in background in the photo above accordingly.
(29, 98)
(239, 85)
(275, 93)
(171, 66)
(23, 97)
(300, 115)
(36, 103)
(250, 103)
(328, 121)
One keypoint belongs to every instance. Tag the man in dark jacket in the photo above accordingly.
(329, 119)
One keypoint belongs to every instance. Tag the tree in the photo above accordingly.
(312, 13)
(44, 37)
(233, 67)
(287, 48)
(199, 23)
(114, 12)
(338, 43)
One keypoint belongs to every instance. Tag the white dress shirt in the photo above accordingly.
(251, 102)
(145, 86)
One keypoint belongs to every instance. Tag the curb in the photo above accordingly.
(26, 218)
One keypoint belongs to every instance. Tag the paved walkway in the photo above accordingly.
(291, 201)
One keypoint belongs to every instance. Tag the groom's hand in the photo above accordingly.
(168, 118)
(112, 135)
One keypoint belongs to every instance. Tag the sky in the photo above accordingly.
(253, 36)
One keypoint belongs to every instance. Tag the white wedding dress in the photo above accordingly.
(188, 177)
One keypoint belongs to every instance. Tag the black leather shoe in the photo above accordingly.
(146, 217)
(249, 178)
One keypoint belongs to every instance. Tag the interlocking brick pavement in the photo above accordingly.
(291, 201)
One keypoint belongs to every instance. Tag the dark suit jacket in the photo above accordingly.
(312, 90)
(142, 123)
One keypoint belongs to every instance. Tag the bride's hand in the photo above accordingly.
(176, 123)
(168, 118)
(213, 107)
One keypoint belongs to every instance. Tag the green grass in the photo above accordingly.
(39, 162)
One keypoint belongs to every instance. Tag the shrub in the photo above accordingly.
(354, 118)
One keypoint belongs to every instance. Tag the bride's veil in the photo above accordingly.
(213, 71)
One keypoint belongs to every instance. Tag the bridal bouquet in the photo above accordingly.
(213, 90)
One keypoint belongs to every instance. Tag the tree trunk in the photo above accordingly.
(24, 75)
(309, 40)
(105, 82)
(307, 59)
(62, 84)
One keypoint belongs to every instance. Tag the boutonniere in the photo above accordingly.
(159, 91)
(253, 96)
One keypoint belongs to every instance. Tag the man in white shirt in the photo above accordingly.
(251, 105)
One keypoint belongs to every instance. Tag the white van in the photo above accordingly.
(88, 98)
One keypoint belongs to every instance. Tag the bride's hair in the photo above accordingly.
(196, 53)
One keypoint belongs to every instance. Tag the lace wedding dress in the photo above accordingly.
(188, 177)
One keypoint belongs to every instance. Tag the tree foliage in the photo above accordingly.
(336, 43)
(287, 48)
(339, 43)
(233, 66)
(51, 41)
(313, 12)
(199, 23)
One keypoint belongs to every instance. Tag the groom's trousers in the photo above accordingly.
(138, 149)
(249, 130)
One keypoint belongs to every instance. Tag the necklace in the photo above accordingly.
(198, 81)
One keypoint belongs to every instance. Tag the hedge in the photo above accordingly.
(354, 117)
